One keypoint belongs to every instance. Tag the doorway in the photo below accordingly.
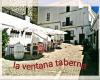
(67, 37)
(81, 38)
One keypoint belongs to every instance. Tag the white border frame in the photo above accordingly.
(49, 77)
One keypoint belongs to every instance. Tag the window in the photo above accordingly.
(56, 27)
(68, 9)
(48, 16)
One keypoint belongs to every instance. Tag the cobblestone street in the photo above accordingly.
(69, 52)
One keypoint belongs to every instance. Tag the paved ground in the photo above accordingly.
(68, 51)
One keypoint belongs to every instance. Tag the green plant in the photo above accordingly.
(5, 39)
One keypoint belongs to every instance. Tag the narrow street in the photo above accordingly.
(68, 51)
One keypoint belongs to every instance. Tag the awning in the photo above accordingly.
(60, 32)
(9, 21)
(39, 33)
(12, 21)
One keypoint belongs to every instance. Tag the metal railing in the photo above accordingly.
(67, 24)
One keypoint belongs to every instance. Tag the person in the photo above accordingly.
(52, 45)
(76, 43)
(49, 46)
(85, 45)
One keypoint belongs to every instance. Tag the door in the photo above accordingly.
(67, 37)
(67, 21)
(81, 38)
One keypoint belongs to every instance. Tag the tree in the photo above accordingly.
(5, 39)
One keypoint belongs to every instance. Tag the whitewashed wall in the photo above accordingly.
(79, 16)
(52, 26)
(54, 17)
(54, 14)
(78, 31)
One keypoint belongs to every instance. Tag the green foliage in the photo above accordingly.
(5, 39)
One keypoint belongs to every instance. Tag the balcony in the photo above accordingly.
(67, 24)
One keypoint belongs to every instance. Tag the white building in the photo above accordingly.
(48, 17)
(73, 20)
(93, 36)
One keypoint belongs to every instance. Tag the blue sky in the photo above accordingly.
(95, 9)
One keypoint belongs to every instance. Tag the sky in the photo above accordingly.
(43, 2)
(85, 1)
(95, 9)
